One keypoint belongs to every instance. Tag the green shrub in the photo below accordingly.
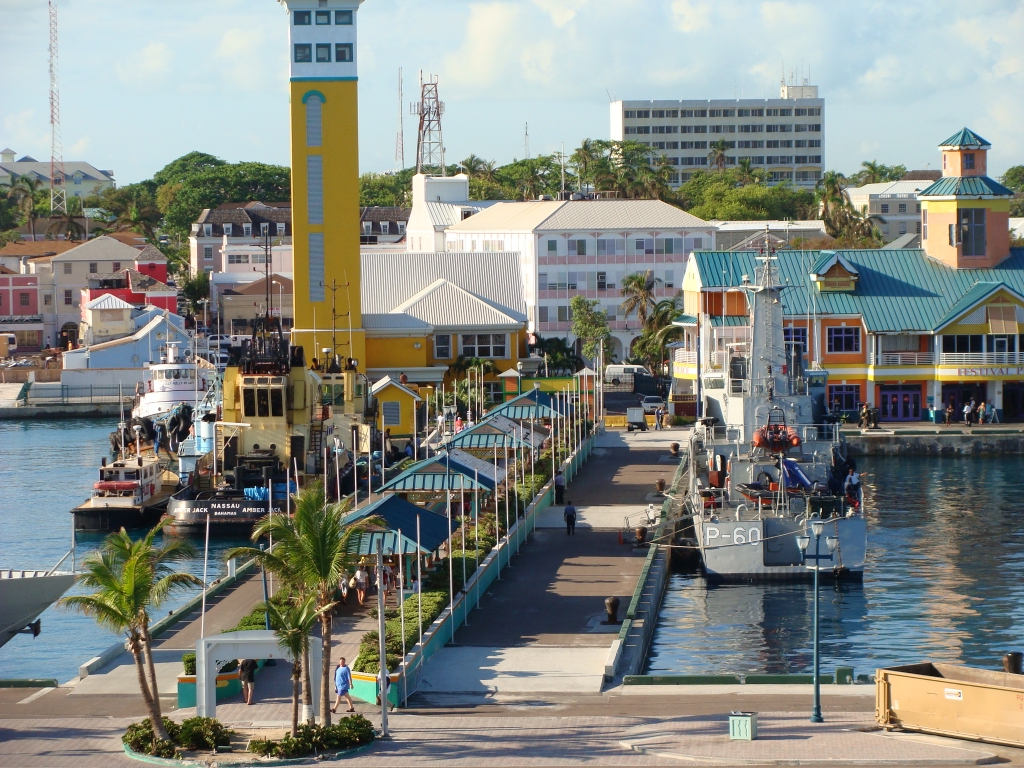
(231, 666)
(188, 661)
(203, 733)
(349, 732)
(140, 738)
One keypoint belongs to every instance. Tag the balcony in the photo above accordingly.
(902, 358)
(685, 357)
(981, 358)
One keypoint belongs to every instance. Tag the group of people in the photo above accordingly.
(659, 417)
(360, 581)
(972, 413)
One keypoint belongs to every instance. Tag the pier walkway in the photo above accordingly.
(539, 629)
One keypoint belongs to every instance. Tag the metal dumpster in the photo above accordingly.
(950, 700)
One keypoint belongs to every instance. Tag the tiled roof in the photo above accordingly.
(899, 291)
(151, 253)
(965, 137)
(37, 249)
(972, 186)
(140, 283)
(29, 166)
(384, 213)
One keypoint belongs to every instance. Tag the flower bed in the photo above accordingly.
(349, 732)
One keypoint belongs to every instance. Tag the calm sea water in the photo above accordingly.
(943, 583)
(46, 469)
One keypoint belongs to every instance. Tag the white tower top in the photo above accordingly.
(323, 39)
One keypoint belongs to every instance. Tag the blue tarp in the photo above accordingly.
(795, 477)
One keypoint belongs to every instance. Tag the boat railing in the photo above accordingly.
(648, 516)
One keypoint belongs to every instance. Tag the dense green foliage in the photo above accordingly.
(195, 733)
(711, 195)
(349, 732)
(591, 325)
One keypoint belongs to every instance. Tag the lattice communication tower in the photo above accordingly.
(58, 193)
(429, 146)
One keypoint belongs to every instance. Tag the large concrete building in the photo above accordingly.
(81, 179)
(784, 136)
(893, 205)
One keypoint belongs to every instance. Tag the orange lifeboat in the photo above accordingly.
(776, 438)
(116, 485)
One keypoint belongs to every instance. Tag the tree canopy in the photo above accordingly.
(723, 195)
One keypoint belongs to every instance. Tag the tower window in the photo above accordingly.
(323, 17)
(315, 188)
(968, 161)
(302, 18)
(972, 231)
(343, 18)
(316, 266)
(343, 52)
(323, 52)
(314, 125)
(303, 53)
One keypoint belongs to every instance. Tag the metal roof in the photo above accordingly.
(445, 305)
(400, 515)
(100, 248)
(109, 301)
(966, 185)
(387, 381)
(588, 215)
(390, 279)
(446, 215)
(965, 137)
(503, 217)
(828, 260)
(977, 293)
(899, 291)
(718, 321)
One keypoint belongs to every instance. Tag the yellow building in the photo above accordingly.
(325, 173)
(396, 408)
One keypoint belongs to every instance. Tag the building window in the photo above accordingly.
(844, 397)
(264, 228)
(918, 225)
(228, 229)
(924, 227)
(323, 52)
(68, 301)
(47, 300)
(208, 252)
(611, 246)
(644, 245)
(795, 337)
(401, 227)
(963, 344)
(602, 281)
(280, 228)
(443, 346)
(563, 314)
(343, 18)
(669, 245)
(343, 52)
(885, 207)
(303, 53)
(972, 231)
(484, 345)
(367, 228)
(22, 299)
(542, 314)
(670, 278)
(323, 18)
(918, 207)
(238, 258)
(577, 247)
(207, 230)
(93, 268)
(247, 230)
(844, 339)
(903, 227)
(968, 161)
(391, 411)
(384, 227)
(552, 247)
(302, 18)
(902, 208)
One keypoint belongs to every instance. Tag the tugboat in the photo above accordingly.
(171, 382)
(127, 495)
(271, 433)
(763, 465)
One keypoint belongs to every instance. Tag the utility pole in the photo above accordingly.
(58, 193)
(400, 138)
(526, 140)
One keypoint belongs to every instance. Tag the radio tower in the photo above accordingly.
(429, 147)
(58, 194)
(400, 138)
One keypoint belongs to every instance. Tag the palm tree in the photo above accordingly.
(67, 223)
(748, 174)
(586, 158)
(717, 157)
(472, 165)
(559, 355)
(26, 189)
(638, 290)
(130, 577)
(139, 216)
(532, 182)
(463, 364)
(293, 625)
(311, 551)
(872, 172)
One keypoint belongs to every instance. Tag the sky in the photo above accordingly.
(146, 81)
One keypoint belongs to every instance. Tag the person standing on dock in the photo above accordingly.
(342, 683)
(247, 675)
(570, 519)
(967, 413)
(559, 487)
(362, 583)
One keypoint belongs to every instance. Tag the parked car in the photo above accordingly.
(651, 403)
(218, 340)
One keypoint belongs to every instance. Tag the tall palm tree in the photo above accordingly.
(27, 189)
(532, 182)
(586, 158)
(718, 157)
(293, 625)
(472, 165)
(130, 577)
(638, 290)
(748, 174)
(311, 551)
(872, 172)
(139, 216)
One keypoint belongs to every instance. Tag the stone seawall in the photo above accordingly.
(937, 443)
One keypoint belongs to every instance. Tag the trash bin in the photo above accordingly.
(742, 726)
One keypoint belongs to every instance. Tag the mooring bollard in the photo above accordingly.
(611, 607)
(1013, 663)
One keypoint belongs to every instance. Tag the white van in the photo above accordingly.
(617, 371)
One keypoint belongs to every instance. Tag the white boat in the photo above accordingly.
(127, 495)
(763, 466)
(24, 594)
(171, 382)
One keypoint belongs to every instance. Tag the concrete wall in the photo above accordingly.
(938, 444)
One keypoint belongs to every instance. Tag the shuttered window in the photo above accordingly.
(316, 266)
(315, 188)
(392, 411)
(314, 121)
(1002, 318)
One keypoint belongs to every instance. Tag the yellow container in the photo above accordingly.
(950, 700)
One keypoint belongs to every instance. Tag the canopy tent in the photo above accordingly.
(533, 404)
(400, 515)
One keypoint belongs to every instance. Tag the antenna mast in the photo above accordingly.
(429, 146)
(400, 138)
(526, 139)
(58, 194)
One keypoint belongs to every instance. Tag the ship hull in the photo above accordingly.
(26, 594)
(100, 518)
(227, 516)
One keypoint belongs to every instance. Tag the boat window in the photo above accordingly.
(192, 373)
(131, 475)
(177, 373)
(248, 401)
(262, 402)
(277, 402)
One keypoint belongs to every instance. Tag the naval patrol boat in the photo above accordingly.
(764, 467)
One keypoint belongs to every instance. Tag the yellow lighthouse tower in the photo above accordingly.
(325, 176)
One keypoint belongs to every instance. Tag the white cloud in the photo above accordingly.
(561, 11)
(489, 46)
(27, 133)
(690, 15)
(79, 147)
(243, 54)
(147, 65)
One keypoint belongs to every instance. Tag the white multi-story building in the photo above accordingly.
(784, 136)
(81, 179)
(586, 247)
(893, 204)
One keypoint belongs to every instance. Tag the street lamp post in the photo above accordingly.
(519, 377)
(804, 541)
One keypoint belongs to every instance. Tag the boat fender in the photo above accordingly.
(718, 462)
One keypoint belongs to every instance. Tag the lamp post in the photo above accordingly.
(519, 378)
(804, 541)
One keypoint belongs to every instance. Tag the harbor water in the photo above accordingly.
(46, 469)
(942, 583)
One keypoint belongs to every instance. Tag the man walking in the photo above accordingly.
(342, 684)
(570, 519)
(559, 487)
(658, 413)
